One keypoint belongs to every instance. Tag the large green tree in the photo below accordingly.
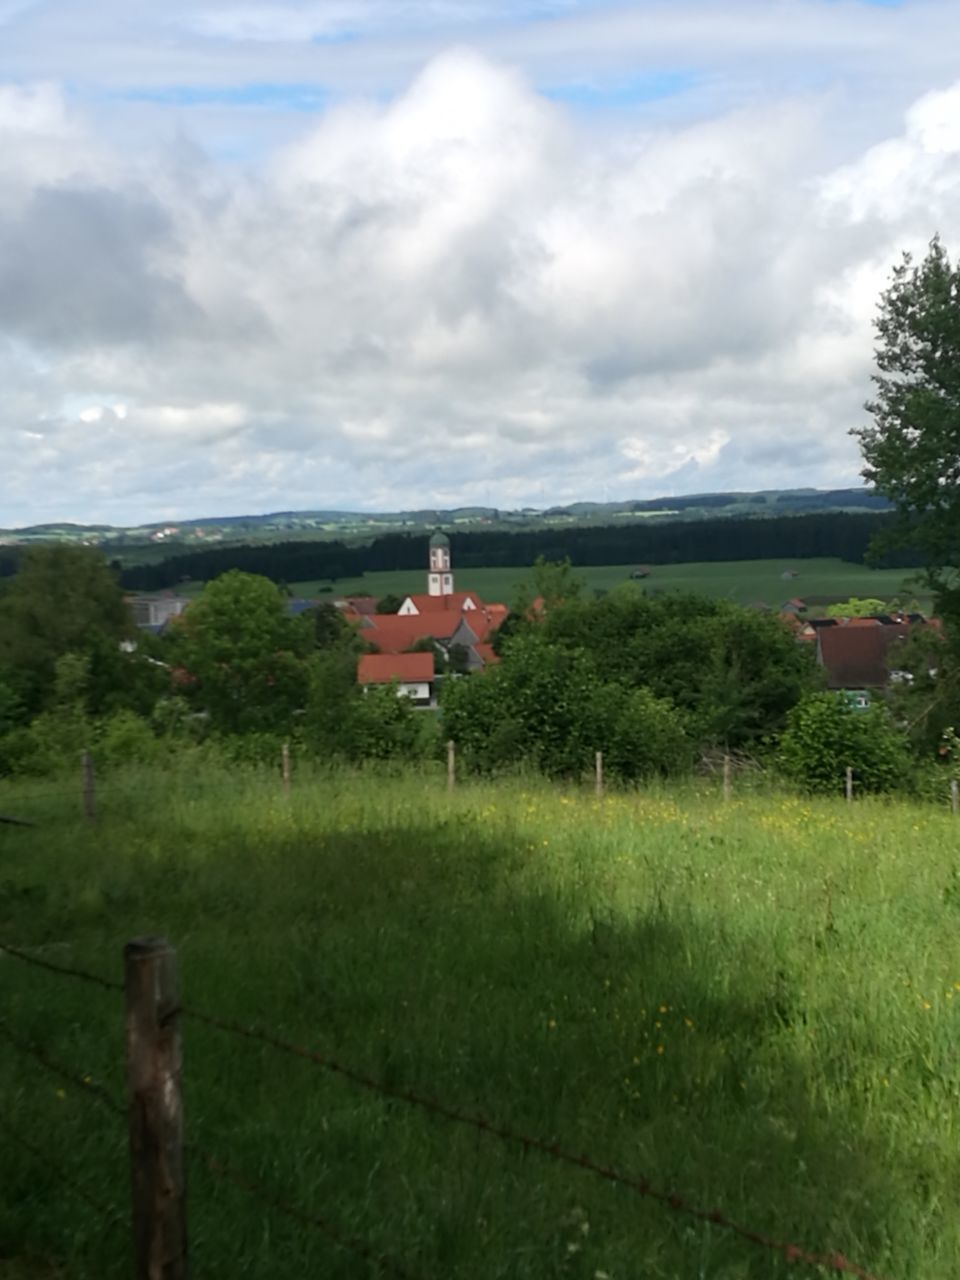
(243, 654)
(64, 599)
(912, 450)
(737, 673)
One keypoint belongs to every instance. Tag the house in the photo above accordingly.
(413, 674)
(154, 612)
(364, 606)
(642, 571)
(857, 659)
(441, 614)
(794, 606)
(389, 633)
(298, 605)
(440, 594)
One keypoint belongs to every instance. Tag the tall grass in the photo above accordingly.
(755, 1004)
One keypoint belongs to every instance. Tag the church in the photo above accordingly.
(441, 614)
(440, 594)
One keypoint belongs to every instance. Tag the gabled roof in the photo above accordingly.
(360, 604)
(487, 655)
(392, 634)
(382, 668)
(452, 603)
(857, 657)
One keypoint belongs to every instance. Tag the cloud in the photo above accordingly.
(463, 292)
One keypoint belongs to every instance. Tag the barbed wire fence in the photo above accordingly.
(728, 770)
(154, 1117)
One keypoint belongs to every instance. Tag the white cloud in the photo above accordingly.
(460, 292)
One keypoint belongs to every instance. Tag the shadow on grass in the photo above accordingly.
(658, 1040)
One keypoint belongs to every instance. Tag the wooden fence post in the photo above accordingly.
(155, 1110)
(955, 796)
(727, 778)
(88, 787)
(598, 765)
(849, 785)
(451, 764)
(285, 766)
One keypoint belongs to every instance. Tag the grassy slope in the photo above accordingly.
(756, 1004)
(745, 580)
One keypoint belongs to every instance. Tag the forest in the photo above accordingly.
(846, 535)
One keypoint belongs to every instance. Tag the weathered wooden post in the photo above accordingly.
(285, 766)
(955, 796)
(88, 786)
(727, 777)
(598, 766)
(451, 764)
(849, 785)
(155, 1110)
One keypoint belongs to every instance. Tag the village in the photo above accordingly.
(443, 632)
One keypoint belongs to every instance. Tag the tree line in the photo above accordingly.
(847, 536)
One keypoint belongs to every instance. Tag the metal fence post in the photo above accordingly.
(727, 777)
(598, 767)
(451, 765)
(849, 785)
(285, 766)
(154, 1069)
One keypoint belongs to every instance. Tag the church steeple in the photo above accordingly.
(440, 577)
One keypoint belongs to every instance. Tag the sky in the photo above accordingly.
(386, 254)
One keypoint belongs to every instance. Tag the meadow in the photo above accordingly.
(744, 581)
(753, 1004)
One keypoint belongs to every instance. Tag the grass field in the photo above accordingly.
(745, 581)
(756, 1005)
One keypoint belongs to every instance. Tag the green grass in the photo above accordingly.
(745, 581)
(756, 1004)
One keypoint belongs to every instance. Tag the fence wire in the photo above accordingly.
(384, 1261)
(641, 1185)
(110, 1214)
(83, 1083)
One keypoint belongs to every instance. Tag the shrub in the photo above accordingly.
(825, 735)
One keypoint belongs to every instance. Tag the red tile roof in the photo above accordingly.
(381, 668)
(486, 652)
(361, 604)
(445, 604)
(857, 657)
(392, 634)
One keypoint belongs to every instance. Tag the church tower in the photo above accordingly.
(440, 577)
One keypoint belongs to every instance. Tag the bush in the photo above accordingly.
(825, 736)
(547, 706)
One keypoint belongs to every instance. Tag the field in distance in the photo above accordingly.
(755, 1005)
(745, 581)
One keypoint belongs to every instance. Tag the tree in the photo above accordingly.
(246, 654)
(826, 735)
(736, 672)
(856, 607)
(390, 603)
(548, 706)
(912, 452)
(64, 600)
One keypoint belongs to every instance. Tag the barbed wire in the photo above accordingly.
(84, 1084)
(252, 1186)
(835, 1260)
(88, 1085)
(65, 970)
(109, 1212)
